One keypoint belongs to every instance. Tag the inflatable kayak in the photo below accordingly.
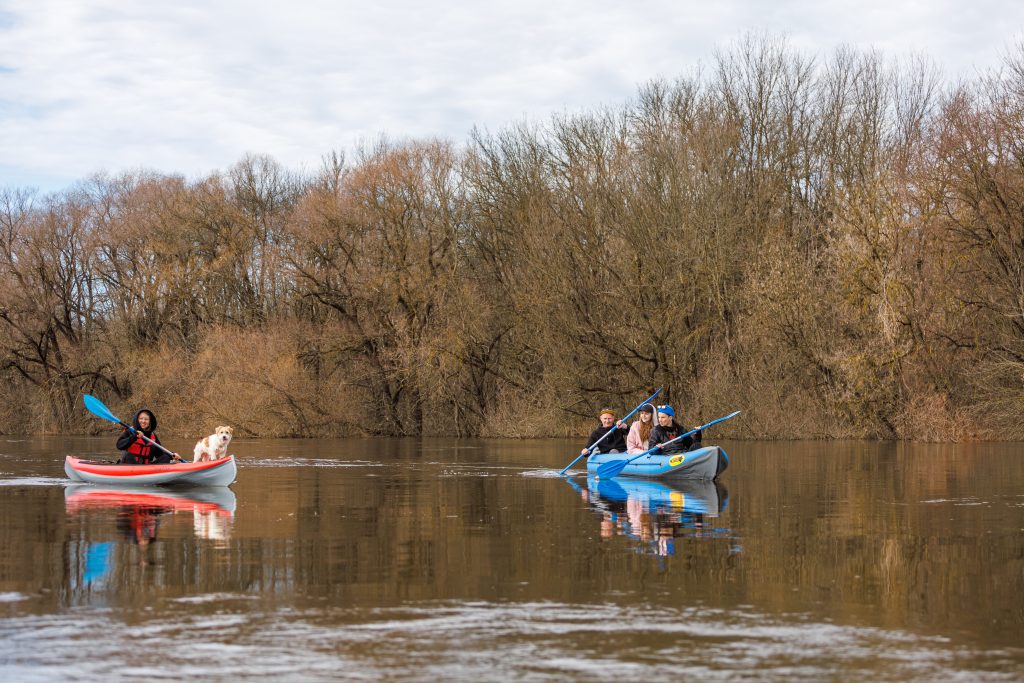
(702, 463)
(213, 473)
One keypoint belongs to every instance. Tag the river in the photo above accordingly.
(409, 559)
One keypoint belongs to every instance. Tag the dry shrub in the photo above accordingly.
(774, 404)
(159, 380)
(931, 418)
(528, 414)
(254, 381)
(999, 400)
(250, 379)
(24, 409)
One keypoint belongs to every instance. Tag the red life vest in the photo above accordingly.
(140, 449)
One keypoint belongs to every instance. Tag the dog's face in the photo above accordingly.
(222, 435)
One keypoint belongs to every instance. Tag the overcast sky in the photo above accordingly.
(190, 86)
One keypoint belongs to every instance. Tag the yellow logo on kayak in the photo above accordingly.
(676, 460)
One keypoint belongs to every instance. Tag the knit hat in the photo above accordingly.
(607, 411)
(667, 410)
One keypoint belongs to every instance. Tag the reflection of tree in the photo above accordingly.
(862, 532)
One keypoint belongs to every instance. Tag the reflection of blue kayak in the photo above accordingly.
(702, 463)
(656, 513)
(696, 496)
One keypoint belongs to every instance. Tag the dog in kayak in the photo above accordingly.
(214, 446)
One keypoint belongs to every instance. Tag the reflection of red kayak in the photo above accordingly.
(214, 473)
(85, 497)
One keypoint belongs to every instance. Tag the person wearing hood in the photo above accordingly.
(137, 451)
(668, 429)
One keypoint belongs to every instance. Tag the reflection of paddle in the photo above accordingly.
(96, 407)
(594, 445)
(97, 562)
(612, 468)
(610, 490)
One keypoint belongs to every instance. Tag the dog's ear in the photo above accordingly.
(230, 430)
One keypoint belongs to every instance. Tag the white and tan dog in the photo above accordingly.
(214, 446)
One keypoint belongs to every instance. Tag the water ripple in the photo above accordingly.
(307, 462)
(475, 641)
(35, 481)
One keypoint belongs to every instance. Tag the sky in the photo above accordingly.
(191, 86)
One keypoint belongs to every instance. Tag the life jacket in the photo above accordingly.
(140, 450)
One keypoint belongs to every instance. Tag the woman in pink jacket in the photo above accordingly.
(640, 431)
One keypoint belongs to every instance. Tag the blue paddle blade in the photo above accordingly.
(96, 407)
(611, 469)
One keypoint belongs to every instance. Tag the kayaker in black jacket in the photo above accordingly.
(615, 442)
(669, 429)
(137, 451)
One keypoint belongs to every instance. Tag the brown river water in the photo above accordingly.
(473, 560)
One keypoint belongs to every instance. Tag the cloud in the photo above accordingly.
(190, 87)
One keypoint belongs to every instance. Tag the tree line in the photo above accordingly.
(833, 245)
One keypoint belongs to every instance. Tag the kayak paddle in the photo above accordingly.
(594, 445)
(613, 467)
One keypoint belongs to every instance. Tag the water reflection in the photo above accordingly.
(118, 538)
(139, 512)
(656, 513)
(409, 559)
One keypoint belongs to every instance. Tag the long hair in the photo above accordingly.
(645, 431)
(646, 428)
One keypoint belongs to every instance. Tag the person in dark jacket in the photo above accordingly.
(137, 451)
(615, 442)
(668, 429)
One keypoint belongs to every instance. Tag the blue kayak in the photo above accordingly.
(702, 463)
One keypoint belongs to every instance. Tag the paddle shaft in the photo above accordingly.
(145, 438)
(615, 466)
(591, 449)
(594, 445)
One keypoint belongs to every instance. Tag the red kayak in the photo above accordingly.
(213, 473)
